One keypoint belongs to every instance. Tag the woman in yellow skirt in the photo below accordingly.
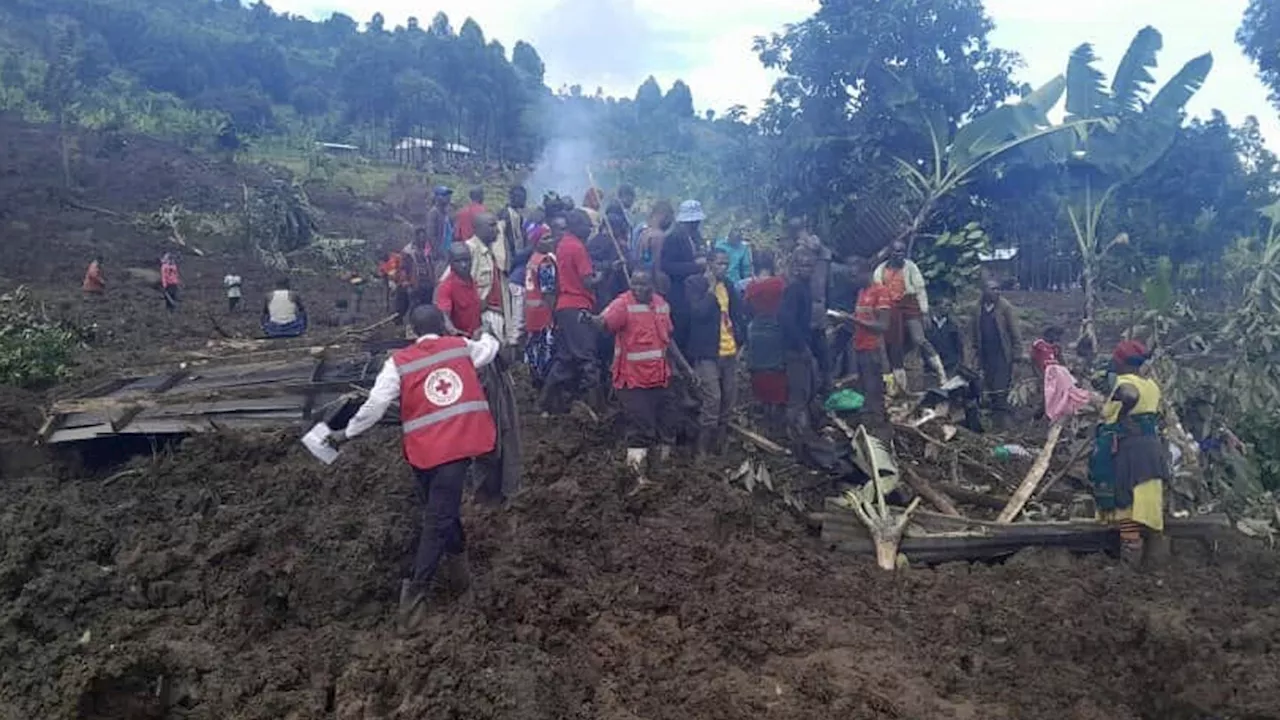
(1130, 461)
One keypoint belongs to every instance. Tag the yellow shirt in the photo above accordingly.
(1148, 398)
(728, 346)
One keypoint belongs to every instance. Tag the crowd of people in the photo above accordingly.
(663, 321)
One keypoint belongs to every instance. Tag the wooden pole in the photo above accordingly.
(617, 246)
(1028, 485)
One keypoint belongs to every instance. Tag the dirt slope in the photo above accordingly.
(237, 578)
(234, 577)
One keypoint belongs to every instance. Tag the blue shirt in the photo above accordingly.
(739, 260)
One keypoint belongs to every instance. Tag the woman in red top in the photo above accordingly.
(766, 359)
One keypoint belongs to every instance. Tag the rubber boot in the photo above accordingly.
(636, 461)
(936, 363)
(900, 382)
(413, 603)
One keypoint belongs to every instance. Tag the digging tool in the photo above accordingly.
(617, 246)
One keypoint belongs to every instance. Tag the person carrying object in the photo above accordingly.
(445, 425)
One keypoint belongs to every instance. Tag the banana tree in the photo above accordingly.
(982, 139)
(1129, 132)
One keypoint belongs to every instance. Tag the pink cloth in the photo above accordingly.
(1061, 396)
(168, 274)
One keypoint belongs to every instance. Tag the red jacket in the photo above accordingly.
(537, 311)
(443, 410)
(644, 334)
(459, 300)
(574, 265)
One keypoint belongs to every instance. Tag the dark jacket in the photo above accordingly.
(796, 317)
(1007, 323)
(677, 263)
(947, 340)
(704, 325)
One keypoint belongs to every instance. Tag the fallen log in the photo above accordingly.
(926, 490)
(1078, 452)
(759, 440)
(1033, 477)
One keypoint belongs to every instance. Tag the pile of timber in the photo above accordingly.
(263, 388)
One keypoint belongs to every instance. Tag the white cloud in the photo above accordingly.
(615, 44)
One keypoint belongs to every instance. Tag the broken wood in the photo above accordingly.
(91, 208)
(381, 323)
(969, 461)
(926, 490)
(1080, 450)
(759, 440)
(1033, 477)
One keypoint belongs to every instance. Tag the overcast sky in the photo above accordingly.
(615, 44)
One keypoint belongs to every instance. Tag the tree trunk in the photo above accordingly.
(1089, 283)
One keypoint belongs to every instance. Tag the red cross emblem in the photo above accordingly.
(444, 386)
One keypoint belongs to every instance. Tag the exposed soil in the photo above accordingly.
(235, 577)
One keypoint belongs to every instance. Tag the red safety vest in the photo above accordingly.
(443, 409)
(640, 355)
(537, 313)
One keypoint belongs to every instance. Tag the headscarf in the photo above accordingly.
(1129, 354)
(592, 199)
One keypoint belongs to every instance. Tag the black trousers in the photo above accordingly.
(871, 384)
(643, 410)
(573, 360)
(440, 491)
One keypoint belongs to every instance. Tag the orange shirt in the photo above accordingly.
(895, 282)
(871, 300)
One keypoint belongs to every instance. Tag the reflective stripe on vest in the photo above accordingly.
(646, 355)
(533, 303)
(443, 356)
(443, 414)
(639, 308)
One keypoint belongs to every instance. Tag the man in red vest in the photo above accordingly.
(446, 424)
(643, 355)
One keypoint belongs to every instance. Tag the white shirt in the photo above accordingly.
(281, 308)
(232, 283)
(386, 388)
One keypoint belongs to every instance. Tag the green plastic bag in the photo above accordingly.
(844, 401)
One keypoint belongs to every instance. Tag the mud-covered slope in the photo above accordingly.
(238, 578)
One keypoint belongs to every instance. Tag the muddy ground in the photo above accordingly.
(234, 577)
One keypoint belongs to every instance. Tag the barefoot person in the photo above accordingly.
(641, 320)
(446, 424)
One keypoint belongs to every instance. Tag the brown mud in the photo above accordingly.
(235, 577)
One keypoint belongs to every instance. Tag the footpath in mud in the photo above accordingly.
(235, 577)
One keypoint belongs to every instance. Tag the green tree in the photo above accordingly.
(1259, 35)
(1133, 130)
(835, 115)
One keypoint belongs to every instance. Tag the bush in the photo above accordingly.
(34, 350)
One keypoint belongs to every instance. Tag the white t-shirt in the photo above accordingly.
(232, 283)
(281, 308)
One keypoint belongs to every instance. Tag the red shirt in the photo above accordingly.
(465, 226)
(460, 301)
(871, 300)
(764, 295)
(575, 267)
(644, 334)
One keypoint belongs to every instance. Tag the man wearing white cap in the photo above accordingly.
(683, 255)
